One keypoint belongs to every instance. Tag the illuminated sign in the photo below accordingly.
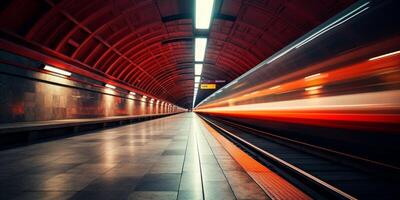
(208, 86)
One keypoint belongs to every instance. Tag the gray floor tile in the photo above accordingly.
(44, 195)
(139, 161)
(153, 196)
(159, 182)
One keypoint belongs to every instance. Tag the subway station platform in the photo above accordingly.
(175, 157)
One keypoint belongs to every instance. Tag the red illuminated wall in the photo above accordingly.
(28, 95)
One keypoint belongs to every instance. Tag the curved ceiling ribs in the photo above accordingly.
(148, 43)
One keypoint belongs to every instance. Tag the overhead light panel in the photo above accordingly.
(203, 13)
(110, 86)
(198, 68)
(200, 49)
(197, 79)
(56, 70)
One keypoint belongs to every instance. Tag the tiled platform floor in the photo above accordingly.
(168, 158)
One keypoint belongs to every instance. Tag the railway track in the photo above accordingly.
(321, 173)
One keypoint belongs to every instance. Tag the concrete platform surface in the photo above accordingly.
(169, 158)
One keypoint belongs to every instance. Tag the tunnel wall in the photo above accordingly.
(29, 94)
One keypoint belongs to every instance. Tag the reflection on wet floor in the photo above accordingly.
(169, 158)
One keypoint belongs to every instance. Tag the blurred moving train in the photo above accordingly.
(337, 87)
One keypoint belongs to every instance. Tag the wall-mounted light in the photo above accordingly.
(132, 93)
(57, 70)
(110, 86)
(203, 13)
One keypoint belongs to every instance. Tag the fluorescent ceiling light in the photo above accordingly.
(198, 68)
(203, 13)
(197, 79)
(385, 55)
(110, 86)
(56, 70)
(200, 49)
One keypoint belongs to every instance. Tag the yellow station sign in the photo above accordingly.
(208, 86)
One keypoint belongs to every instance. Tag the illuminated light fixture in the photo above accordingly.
(200, 45)
(110, 86)
(385, 55)
(198, 68)
(197, 79)
(132, 93)
(144, 97)
(203, 13)
(275, 87)
(312, 76)
(56, 70)
(314, 88)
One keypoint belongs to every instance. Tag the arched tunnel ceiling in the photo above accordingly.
(148, 44)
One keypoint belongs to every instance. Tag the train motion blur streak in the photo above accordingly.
(338, 87)
(371, 107)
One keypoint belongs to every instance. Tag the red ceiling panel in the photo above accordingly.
(148, 43)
